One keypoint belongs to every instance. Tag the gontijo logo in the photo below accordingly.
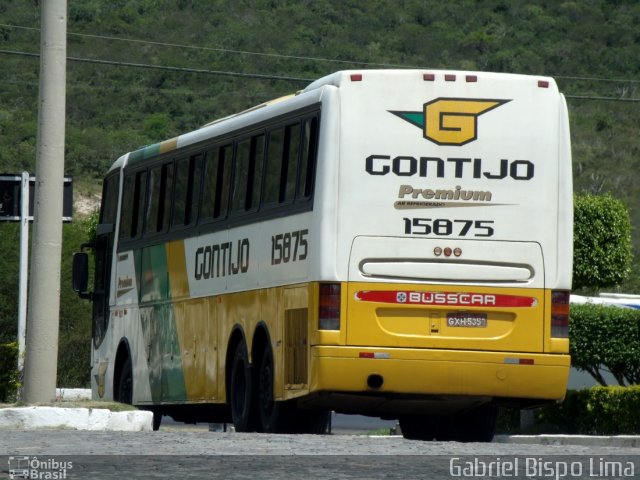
(450, 121)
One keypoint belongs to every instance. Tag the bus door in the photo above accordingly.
(101, 291)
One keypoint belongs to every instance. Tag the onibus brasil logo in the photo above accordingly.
(450, 121)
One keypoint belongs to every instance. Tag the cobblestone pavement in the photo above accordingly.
(212, 455)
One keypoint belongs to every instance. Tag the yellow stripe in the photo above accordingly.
(169, 145)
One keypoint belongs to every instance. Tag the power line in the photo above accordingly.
(611, 99)
(257, 76)
(596, 79)
(222, 50)
(293, 57)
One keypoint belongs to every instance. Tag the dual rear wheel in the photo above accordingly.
(253, 406)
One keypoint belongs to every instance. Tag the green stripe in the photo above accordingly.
(144, 153)
(166, 377)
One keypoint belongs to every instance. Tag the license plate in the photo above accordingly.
(466, 319)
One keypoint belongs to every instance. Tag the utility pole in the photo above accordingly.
(41, 355)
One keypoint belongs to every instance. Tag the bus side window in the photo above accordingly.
(275, 171)
(248, 164)
(134, 192)
(291, 166)
(215, 188)
(187, 190)
(126, 218)
(160, 183)
(110, 200)
(308, 158)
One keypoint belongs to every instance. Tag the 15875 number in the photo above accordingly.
(289, 247)
(444, 227)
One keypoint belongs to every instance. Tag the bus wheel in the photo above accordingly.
(274, 416)
(477, 425)
(125, 383)
(241, 391)
(157, 420)
(285, 417)
(421, 427)
(316, 422)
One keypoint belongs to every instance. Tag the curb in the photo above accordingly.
(57, 418)
(585, 440)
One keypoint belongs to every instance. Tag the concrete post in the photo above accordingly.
(44, 280)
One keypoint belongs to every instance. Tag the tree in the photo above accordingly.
(601, 242)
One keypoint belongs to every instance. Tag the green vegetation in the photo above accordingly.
(589, 411)
(602, 242)
(591, 48)
(606, 337)
(8, 371)
(593, 411)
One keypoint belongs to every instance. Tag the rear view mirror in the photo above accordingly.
(81, 274)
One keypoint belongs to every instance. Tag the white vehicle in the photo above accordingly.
(394, 243)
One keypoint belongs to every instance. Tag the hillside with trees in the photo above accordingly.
(144, 70)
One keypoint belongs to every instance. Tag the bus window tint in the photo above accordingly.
(291, 168)
(160, 182)
(132, 203)
(248, 174)
(153, 204)
(308, 158)
(126, 218)
(110, 200)
(140, 194)
(215, 188)
(274, 169)
(241, 175)
(188, 175)
(223, 181)
(255, 172)
(181, 193)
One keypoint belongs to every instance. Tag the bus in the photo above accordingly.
(391, 243)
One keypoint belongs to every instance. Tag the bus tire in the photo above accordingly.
(124, 392)
(314, 422)
(477, 425)
(241, 391)
(285, 417)
(157, 420)
(421, 427)
(275, 417)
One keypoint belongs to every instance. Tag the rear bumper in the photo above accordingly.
(446, 373)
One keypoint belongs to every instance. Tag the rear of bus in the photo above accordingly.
(450, 209)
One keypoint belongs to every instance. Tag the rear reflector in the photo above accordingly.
(449, 77)
(560, 313)
(374, 355)
(519, 361)
(329, 307)
(471, 78)
(543, 84)
(356, 77)
(428, 77)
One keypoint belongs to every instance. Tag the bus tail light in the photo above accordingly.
(560, 313)
(329, 307)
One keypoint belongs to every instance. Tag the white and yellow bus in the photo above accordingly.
(393, 243)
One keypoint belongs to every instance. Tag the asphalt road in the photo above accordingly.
(213, 455)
